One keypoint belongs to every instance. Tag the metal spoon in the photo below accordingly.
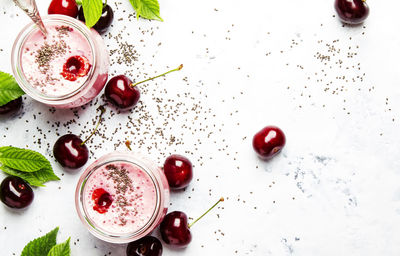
(30, 8)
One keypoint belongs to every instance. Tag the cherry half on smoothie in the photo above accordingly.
(124, 94)
(70, 151)
(352, 11)
(74, 67)
(102, 200)
(178, 170)
(15, 192)
(145, 246)
(268, 142)
(65, 7)
(106, 18)
(175, 230)
(11, 106)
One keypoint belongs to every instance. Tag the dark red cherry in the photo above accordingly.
(105, 20)
(70, 151)
(269, 141)
(175, 230)
(352, 11)
(145, 246)
(74, 67)
(102, 200)
(11, 106)
(120, 92)
(178, 170)
(65, 7)
(15, 192)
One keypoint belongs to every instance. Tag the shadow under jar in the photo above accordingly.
(65, 69)
(122, 197)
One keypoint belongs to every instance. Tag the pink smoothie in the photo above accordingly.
(119, 198)
(43, 59)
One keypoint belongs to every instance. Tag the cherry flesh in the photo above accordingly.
(352, 11)
(70, 151)
(65, 7)
(15, 192)
(269, 141)
(178, 170)
(120, 92)
(11, 106)
(175, 230)
(145, 246)
(102, 200)
(74, 67)
(107, 17)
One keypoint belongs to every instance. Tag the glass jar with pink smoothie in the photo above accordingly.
(122, 197)
(64, 69)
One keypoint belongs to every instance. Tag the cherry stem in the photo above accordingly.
(102, 109)
(128, 144)
(220, 200)
(163, 74)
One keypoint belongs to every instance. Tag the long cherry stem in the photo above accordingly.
(220, 200)
(163, 74)
(102, 109)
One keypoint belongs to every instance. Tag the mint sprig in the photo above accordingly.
(41, 246)
(26, 164)
(148, 9)
(47, 246)
(92, 10)
(9, 89)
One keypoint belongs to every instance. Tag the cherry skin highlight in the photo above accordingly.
(352, 11)
(178, 170)
(15, 192)
(106, 18)
(268, 142)
(65, 7)
(70, 152)
(175, 230)
(145, 246)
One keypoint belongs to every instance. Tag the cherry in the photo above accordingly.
(15, 192)
(106, 18)
(74, 67)
(268, 142)
(145, 246)
(66, 7)
(178, 170)
(124, 94)
(70, 151)
(175, 230)
(102, 200)
(352, 11)
(11, 106)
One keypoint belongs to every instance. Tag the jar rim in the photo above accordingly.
(16, 60)
(126, 157)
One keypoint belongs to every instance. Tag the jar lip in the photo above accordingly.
(94, 228)
(17, 52)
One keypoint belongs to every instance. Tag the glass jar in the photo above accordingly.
(145, 204)
(84, 90)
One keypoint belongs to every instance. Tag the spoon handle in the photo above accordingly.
(30, 8)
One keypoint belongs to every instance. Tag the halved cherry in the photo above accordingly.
(74, 67)
(102, 200)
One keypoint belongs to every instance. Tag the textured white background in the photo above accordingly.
(334, 190)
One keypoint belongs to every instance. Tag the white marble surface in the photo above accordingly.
(335, 188)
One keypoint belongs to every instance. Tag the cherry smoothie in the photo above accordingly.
(66, 68)
(122, 197)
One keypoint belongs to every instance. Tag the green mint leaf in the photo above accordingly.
(148, 9)
(60, 249)
(41, 246)
(24, 160)
(9, 89)
(78, 2)
(92, 10)
(33, 178)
